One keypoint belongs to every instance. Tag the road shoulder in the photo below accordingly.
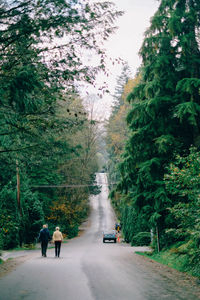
(12, 263)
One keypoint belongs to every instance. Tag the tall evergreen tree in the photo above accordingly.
(165, 107)
(122, 80)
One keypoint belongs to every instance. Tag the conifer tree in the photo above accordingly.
(122, 80)
(165, 107)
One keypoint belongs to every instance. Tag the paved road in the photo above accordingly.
(91, 270)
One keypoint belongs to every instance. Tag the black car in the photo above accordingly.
(110, 236)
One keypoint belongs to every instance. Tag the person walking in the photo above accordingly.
(57, 239)
(44, 238)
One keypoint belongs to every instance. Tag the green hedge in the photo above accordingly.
(141, 239)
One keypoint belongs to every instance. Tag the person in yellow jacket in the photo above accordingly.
(57, 239)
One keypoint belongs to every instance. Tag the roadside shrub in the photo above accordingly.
(1, 243)
(9, 217)
(132, 223)
(141, 239)
(72, 231)
(10, 235)
(29, 246)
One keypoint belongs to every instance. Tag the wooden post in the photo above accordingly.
(157, 233)
(151, 234)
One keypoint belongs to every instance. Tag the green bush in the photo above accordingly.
(1, 242)
(1, 245)
(141, 239)
(132, 223)
(10, 236)
(72, 231)
(9, 218)
(29, 246)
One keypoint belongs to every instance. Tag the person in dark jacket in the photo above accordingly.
(44, 238)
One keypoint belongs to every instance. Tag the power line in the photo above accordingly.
(71, 186)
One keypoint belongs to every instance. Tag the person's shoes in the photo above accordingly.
(45, 255)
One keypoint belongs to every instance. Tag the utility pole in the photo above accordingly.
(18, 187)
(18, 201)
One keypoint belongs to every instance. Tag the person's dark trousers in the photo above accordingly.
(44, 245)
(57, 248)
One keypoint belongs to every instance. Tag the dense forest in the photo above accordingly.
(47, 138)
(156, 165)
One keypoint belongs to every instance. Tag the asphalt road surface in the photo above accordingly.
(88, 269)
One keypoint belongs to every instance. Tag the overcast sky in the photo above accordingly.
(127, 40)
